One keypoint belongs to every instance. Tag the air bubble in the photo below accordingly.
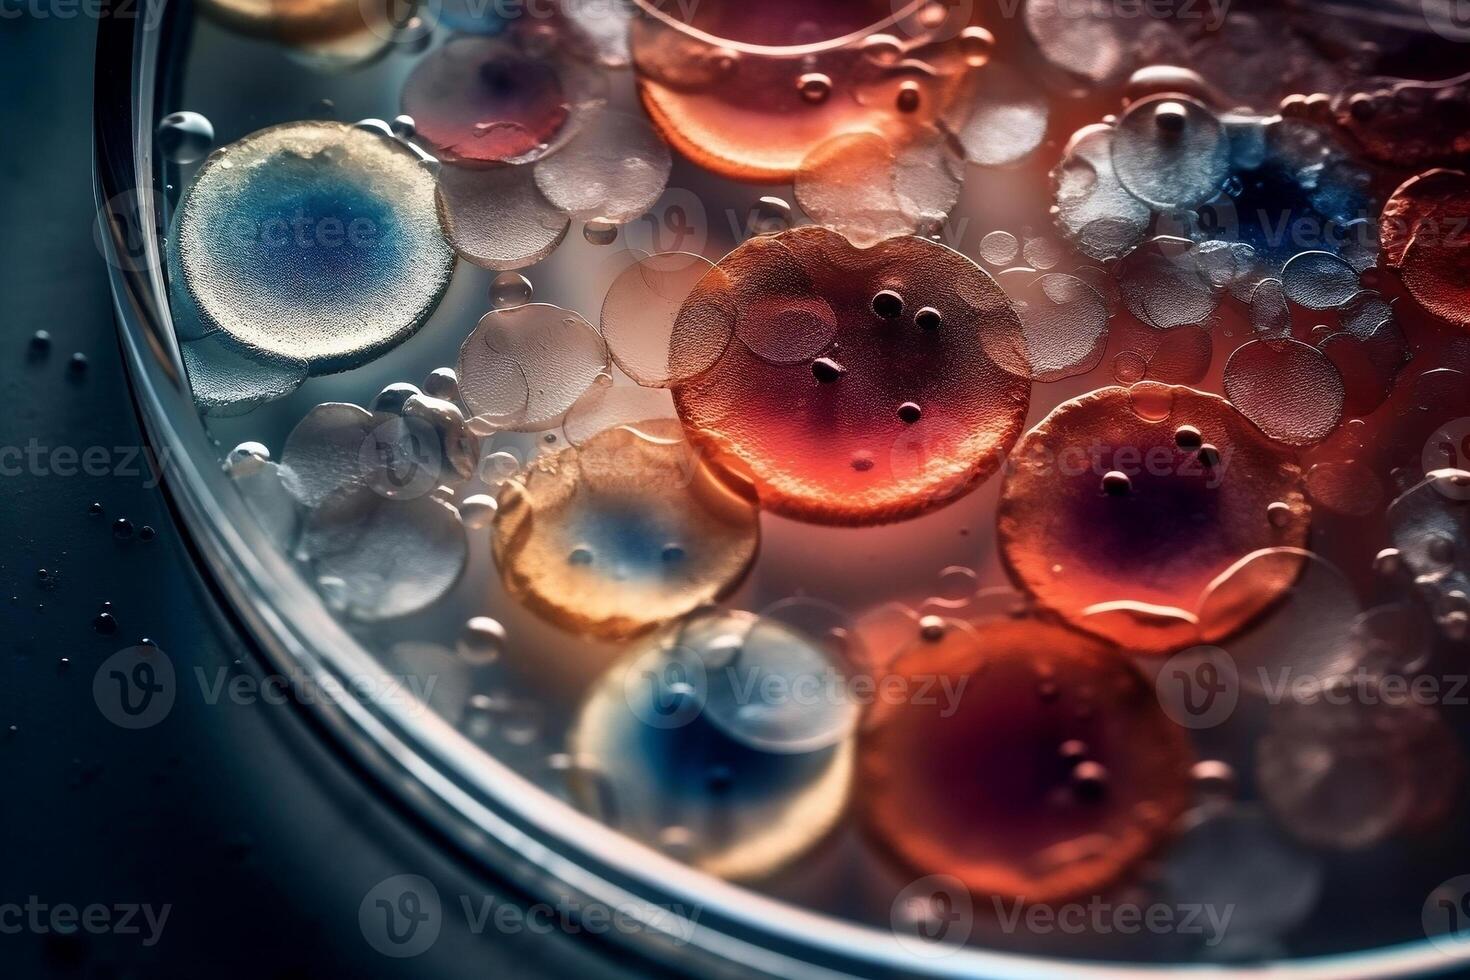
(185, 137)
(482, 640)
(510, 289)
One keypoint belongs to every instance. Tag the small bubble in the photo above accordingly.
(673, 553)
(826, 370)
(95, 509)
(1188, 438)
(246, 458)
(815, 87)
(909, 97)
(929, 318)
(1388, 562)
(78, 363)
(932, 628)
(1090, 781)
(1170, 117)
(1279, 514)
(976, 43)
(40, 342)
(442, 383)
(147, 533)
(862, 463)
(1214, 778)
(599, 232)
(482, 640)
(478, 510)
(888, 304)
(122, 528)
(910, 412)
(510, 289)
(1073, 750)
(580, 556)
(1116, 484)
(403, 127)
(105, 624)
(770, 216)
(393, 397)
(1209, 456)
(185, 137)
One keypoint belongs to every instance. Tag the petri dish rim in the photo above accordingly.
(476, 804)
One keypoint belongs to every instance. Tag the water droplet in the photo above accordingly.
(478, 511)
(1116, 484)
(1170, 117)
(1073, 750)
(443, 384)
(1214, 778)
(826, 370)
(909, 97)
(393, 397)
(185, 137)
(482, 640)
(1090, 781)
(815, 87)
(599, 232)
(770, 216)
(932, 628)
(1388, 562)
(510, 289)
